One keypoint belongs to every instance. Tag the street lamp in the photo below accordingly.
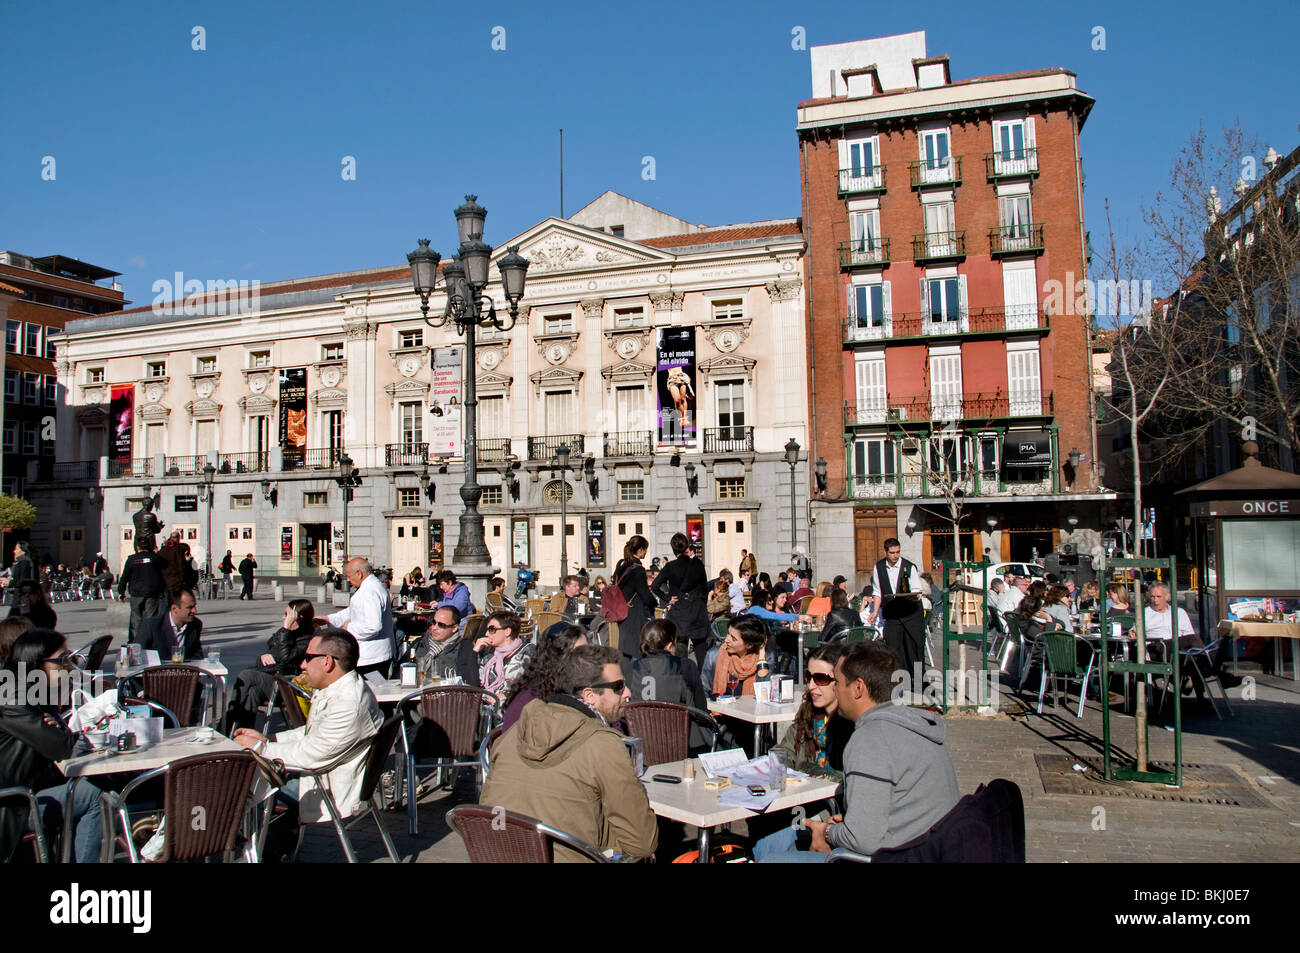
(464, 278)
(207, 490)
(562, 463)
(792, 458)
(819, 470)
(692, 481)
(348, 478)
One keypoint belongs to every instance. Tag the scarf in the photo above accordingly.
(493, 675)
(743, 666)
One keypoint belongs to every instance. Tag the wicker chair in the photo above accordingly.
(804, 603)
(719, 627)
(452, 720)
(493, 601)
(535, 605)
(287, 695)
(176, 687)
(524, 840)
(545, 620)
(473, 627)
(665, 729)
(36, 836)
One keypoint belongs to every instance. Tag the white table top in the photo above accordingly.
(747, 709)
(215, 669)
(692, 803)
(393, 690)
(177, 743)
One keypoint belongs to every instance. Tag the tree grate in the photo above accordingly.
(1214, 785)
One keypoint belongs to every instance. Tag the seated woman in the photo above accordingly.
(719, 602)
(502, 655)
(737, 660)
(1118, 599)
(285, 650)
(660, 675)
(1034, 621)
(762, 608)
(1091, 597)
(1057, 605)
(841, 618)
(815, 740)
(33, 737)
(412, 581)
(10, 630)
(538, 680)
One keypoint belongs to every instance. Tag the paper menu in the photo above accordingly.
(717, 763)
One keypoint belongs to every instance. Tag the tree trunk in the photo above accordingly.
(1140, 702)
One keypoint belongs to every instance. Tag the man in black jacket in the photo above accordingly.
(179, 626)
(142, 574)
(444, 652)
(246, 567)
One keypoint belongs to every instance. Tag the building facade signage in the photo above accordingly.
(187, 504)
(122, 410)
(596, 542)
(1283, 508)
(444, 431)
(293, 415)
(675, 380)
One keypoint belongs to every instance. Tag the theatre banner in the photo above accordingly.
(121, 409)
(675, 380)
(444, 428)
(293, 416)
(596, 541)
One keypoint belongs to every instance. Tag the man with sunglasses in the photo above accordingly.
(562, 764)
(443, 652)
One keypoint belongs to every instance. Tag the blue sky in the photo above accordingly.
(225, 163)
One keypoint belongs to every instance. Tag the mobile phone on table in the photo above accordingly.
(757, 790)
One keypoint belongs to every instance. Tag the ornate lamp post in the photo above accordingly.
(464, 279)
(207, 492)
(562, 464)
(348, 478)
(792, 458)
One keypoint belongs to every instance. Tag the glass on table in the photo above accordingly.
(178, 655)
(778, 764)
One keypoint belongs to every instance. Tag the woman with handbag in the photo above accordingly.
(685, 587)
(630, 579)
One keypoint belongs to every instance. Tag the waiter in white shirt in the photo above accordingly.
(896, 584)
(368, 617)
(1159, 619)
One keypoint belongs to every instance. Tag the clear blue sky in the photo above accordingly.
(226, 163)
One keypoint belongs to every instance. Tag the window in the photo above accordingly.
(732, 309)
(864, 231)
(32, 346)
(629, 409)
(1020, 294)
(315, 498)
(491, 496)
(935, 155)
(630, 491)
(50, 351)
(74, 506)
(408, 497)
(629, 317)
(155, 369)
(206, 364)
(943, 304)
(1024, 384)
(1014, 152)
(259, 358)
(940, 229)
(31, 388)
(872, 399)
(988, 456)
(869, 308)
(51, 384)
(616, 230)
(13, 332)
(945, 383)
(241, 501)
(205, 436)
(548, 529)
(29, 436)
(10, 486)
(155, 439)
(94, 375)
(492, 424)
(948, 454)
(259, 433)
(859, 163)
(332, 351)
(333, 420)
(731, 409)
(873, 462)
(11, 387)
(1014, 216)
(561, 413)
(412, 424)
(411, 338)
(557, 324)
(731, 488)
(11, 436)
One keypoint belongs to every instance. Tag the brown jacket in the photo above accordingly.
(569, 769)
(173, 569)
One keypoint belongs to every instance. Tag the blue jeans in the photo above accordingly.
(86, 814)
(779, 848)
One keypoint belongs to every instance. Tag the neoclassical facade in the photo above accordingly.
(669, 357)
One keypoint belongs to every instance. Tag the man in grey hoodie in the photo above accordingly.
(898, 779)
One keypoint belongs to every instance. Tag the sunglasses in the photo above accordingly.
(443, 625)
(612, 686)
(497, 628)
(65, 659)
(315, 655)
(820, 679)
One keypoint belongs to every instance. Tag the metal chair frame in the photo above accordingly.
(489, 712)
(38, 827)
(547, 835)
(702, 718)
(1050, 669)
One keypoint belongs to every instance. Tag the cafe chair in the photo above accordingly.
(19, 798)
(452, 718)
(1061, 658)
(494, 601)
(805, 602)
(861, 633)
(176, 687)
(493, 835)
(545, 620)
(1198, 666)
(719, 627)
(287, 696)
(485, 750)
(90, 656)
(535, 605)
(214, 787)
(985, 827)
(473, 627)
(665, 729)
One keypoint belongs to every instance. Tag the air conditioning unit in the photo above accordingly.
(911, 445)
(896, 413)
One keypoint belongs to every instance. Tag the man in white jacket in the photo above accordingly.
(369, 617)
(343, 714)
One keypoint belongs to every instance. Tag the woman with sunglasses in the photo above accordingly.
(502, 655)
(33, 737)
(285, 649)
(538, 680)
(816, 739)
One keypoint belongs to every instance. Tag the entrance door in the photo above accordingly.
(72, 545)
(871, 527)
(407, 545)
(313, 549)
(496, 533)
(725, 535)
(546, 548)
(621, 527)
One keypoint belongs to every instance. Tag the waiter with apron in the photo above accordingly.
(897, 585)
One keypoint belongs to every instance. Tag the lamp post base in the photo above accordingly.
(475, 576)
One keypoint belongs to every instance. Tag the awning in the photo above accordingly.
(1028, 449)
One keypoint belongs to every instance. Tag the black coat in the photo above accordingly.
(685, 578)
(28, 749)
(141, 575)
(661, 677)
(42, 616)
(288, 649)
(23, 568)
(246, 567)
(837, 623)
(640, 606)
(156, 634)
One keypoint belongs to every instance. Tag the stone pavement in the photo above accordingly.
(1258, 743)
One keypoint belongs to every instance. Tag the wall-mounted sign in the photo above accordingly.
(435, 544)
(286, 543)
(187, 504)
(596, 542)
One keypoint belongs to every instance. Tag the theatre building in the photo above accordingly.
(669, 358)
(949, 373)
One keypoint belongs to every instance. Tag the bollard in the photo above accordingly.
(277, 592)
(322, 594)
(302, 587)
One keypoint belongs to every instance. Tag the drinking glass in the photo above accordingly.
(778, 763)
(178, 655)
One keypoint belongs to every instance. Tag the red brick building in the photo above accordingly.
(944, 220)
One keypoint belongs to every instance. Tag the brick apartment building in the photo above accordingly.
(947, 370)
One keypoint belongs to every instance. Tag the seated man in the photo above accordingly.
(1159, 618)
(444, 653)
(178, 627)
(561, 762)
(343, 714)
(569, 603)
(898, 779)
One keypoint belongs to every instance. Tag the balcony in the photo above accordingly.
(257, 461)
(990, 322)
(74, 472)
(865, 412)
(494, 450)
(185, 465)
(398, 455)
(972, 407)
(1016, 239)
(634, 443)
(729, 440)
(1011, 163)
(946, 171)
(543, 448)
(989, 483)
(138, 467)
(936, 246)
(862, 180)
(863, 252)
(318, 458)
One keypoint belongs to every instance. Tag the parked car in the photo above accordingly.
(1033, 570)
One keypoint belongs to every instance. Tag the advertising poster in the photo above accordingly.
(286, 543)
(519, 543)
(675, 386)
(444, 407)
(337, 557)
(596, 542)
(293, 416)
(435, 544)
(121, 411)
(695, 530)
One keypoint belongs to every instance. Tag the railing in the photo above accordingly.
(865, 412)
(1011, 162)
(189, 465)
(493, 449)
(1016, 239)
(864, 251)
(258, 461)
(728, 439)
(406, 454)
(918, 324)
(873, 487)
(80, 470)
(138, 467)
(886, 486)
(945, 171)
(929, 246)
(983, 406)
(316, 458)
(544, 448)
(634, 443)
(862, 179)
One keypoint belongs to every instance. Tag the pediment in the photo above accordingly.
(556, 245)
(203, 407)
(626, 371)
(254, 404)
(728, 364)
(555, 376)
(407, 388)
(494, 382)
(330, 398)
(154, 412)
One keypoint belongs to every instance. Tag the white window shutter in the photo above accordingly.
(887, 300)
(844, 153)
(963, 299)
(925, 299)
(1031, 144)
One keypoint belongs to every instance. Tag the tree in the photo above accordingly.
(15, 513)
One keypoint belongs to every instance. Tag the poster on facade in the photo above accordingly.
(121, 411)
(435, 544)
(445, 406)
(695, 532)
(293, 416)
(675, 386)
(339, 554)
(286, 543)
(519, 543)
(596, 542)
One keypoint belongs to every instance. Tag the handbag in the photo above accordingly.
(613, 604)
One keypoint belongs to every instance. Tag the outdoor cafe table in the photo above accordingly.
(692, 803)
(177, 743)
(746, 708)
(1277, 631)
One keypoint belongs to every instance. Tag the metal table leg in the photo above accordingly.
(702, 846)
